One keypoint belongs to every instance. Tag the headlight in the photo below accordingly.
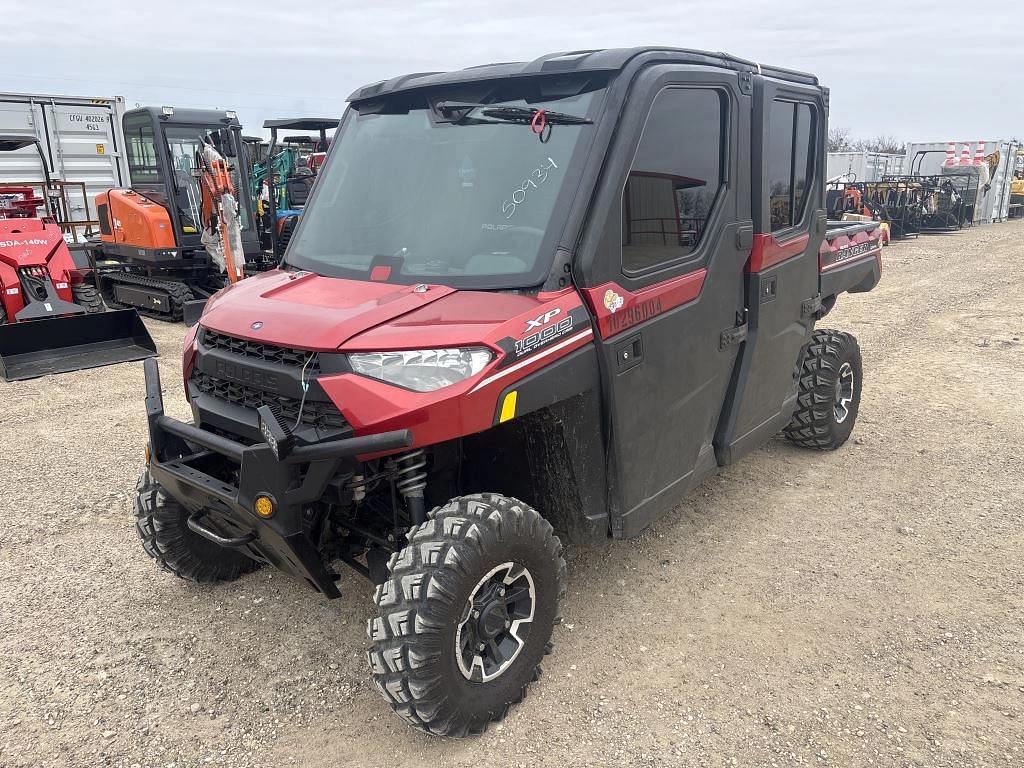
(422, 370)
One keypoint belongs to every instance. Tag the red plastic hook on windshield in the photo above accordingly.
(539, 124)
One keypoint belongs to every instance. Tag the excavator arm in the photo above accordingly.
(222, 226)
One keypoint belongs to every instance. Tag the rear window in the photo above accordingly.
(791, 143)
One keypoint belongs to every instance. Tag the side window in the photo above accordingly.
(803, 159)
(138, 136)
(791, 135)
(675, 178)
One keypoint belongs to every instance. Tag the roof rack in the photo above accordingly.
(582, 61)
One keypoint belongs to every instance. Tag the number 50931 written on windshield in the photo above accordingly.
(537, 177)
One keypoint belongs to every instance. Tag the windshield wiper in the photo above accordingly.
(517, 115)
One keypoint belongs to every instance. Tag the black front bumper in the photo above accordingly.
(179, 452)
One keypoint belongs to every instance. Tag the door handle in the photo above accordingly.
(629, 353)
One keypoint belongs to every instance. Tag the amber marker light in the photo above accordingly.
(264, 506)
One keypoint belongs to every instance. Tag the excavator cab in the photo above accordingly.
(151, 253)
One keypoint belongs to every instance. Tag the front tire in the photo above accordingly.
(87, 296)
(467, 614)
(830, 388)
(162, 524)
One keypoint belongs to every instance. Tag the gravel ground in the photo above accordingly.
(857, 608)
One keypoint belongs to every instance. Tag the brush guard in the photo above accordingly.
(293, 476)
(34, 348)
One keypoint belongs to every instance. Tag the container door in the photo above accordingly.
(83, 151)
(782, 273)
(670, 285)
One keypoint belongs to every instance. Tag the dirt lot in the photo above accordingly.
(857, 608)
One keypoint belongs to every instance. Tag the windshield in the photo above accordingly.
(460, 196)
(183, 146)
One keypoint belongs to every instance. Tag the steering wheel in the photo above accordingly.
(522, 234)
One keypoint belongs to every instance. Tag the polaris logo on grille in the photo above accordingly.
(248, 376)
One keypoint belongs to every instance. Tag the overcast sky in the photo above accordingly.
(927, 70)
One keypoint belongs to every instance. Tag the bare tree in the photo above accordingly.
(838, 139)
(881, 143)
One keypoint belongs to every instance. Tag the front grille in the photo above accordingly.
(321, 415)
(255, 350)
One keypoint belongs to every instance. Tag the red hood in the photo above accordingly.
(311, 311)
(459, 319)
(325, 313)
(28, 242)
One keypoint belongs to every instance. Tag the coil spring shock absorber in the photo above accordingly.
(411, 480)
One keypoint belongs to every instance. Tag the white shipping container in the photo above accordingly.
(82, 139)
(927, 158)
(862, 166)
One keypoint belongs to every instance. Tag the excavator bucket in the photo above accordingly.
(61, 344)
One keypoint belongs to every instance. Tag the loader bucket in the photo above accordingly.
(61, 344)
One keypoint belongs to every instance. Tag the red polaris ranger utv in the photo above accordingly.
(523, 298)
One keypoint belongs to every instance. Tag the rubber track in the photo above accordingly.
(178, 292)
(415, 603)
(813, 423)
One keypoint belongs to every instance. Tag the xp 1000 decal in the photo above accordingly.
(543, 330)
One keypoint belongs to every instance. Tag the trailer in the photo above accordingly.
(861, 166)
(993, 197)
(83, 144)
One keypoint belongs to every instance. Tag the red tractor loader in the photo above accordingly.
(52, 318)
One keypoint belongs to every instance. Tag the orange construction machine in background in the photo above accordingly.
(185, 227)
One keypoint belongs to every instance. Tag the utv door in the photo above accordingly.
(666, 283)
(782, 274)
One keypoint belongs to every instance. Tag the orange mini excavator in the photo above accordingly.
(184, 228)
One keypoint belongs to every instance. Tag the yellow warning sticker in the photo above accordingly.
(101, 149)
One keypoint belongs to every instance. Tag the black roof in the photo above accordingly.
(304, 123)
(12, 142)
(187, 116)
(607, 60)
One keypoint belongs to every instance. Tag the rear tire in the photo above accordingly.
(87, 296)
(467, 614)
(830, 388)
(161, 523)
(3, 314)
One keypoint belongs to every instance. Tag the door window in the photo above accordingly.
(141, 148)
(791, 140)
(674, 180)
